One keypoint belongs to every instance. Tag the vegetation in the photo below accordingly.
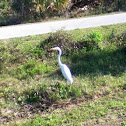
(33, 91)
(14, 11)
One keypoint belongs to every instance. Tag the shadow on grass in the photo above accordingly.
(99, 62)
(93, 63)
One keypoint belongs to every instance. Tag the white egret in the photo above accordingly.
(64, 68)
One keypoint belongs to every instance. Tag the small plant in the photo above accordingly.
(97, 38)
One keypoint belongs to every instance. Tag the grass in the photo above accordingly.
(33, 91)
(99, 111)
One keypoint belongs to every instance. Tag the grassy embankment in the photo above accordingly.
(33, 91)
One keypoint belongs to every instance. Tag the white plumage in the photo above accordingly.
(64, 68)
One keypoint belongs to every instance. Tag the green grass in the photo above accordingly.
(82, 114)
(31, 83)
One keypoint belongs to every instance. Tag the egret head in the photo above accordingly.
(55, 48)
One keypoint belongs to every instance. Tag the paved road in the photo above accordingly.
(70, 24)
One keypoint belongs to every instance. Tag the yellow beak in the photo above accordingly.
(51, 49)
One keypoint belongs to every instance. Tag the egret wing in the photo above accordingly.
(66, 73)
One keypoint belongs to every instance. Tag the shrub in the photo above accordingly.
(4, 12)
(70, 45)
(59, 38)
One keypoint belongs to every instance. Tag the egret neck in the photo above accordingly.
(59, 55)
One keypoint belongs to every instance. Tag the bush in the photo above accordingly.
(4, 12)
(17, 11)
(24, 8)
(59, 38)
(70, 45)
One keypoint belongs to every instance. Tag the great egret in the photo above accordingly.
(64, 68)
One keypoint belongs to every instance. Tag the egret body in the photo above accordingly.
(64, 68)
